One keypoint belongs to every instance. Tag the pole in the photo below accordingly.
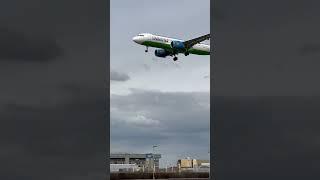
(209, 162)
(153, 161)
(154, 165)
(154, 168)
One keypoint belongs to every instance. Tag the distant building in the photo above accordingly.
(193, 165)
(124, 168)
(144, 162)
(185, 163)
(202, 162)
(204, 167)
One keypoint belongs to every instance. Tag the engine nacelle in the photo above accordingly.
(161, 53)
(178, 45)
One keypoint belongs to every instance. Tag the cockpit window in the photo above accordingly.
(140, 35)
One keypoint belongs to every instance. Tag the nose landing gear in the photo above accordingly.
(146, 49)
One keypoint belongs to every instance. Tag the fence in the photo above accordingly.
(161, 175)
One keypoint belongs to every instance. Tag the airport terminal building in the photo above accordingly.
(142, 162)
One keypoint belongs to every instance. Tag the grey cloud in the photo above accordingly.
(182, 120)
(177, 65)
(146, 67)
(117, 76)
(16, 45)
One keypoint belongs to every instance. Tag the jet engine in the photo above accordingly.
(161, 53)
(178, 45)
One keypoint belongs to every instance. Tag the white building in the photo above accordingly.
(124, 168)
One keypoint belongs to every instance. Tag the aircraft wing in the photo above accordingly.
(188, 44)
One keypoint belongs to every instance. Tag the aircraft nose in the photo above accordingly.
(136, 39)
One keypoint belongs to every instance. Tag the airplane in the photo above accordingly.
(171, 46)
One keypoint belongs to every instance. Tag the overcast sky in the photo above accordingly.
(156, 100)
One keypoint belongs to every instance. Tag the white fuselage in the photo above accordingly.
(157, 41)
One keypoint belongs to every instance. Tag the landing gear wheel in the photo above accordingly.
(186, 53)
(146, 49)
(175, 58)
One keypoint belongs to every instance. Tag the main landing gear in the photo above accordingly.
(186, 53)
(146, 49)
(175, 58)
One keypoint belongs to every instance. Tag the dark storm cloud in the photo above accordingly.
(15, 45)
(117, 76)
